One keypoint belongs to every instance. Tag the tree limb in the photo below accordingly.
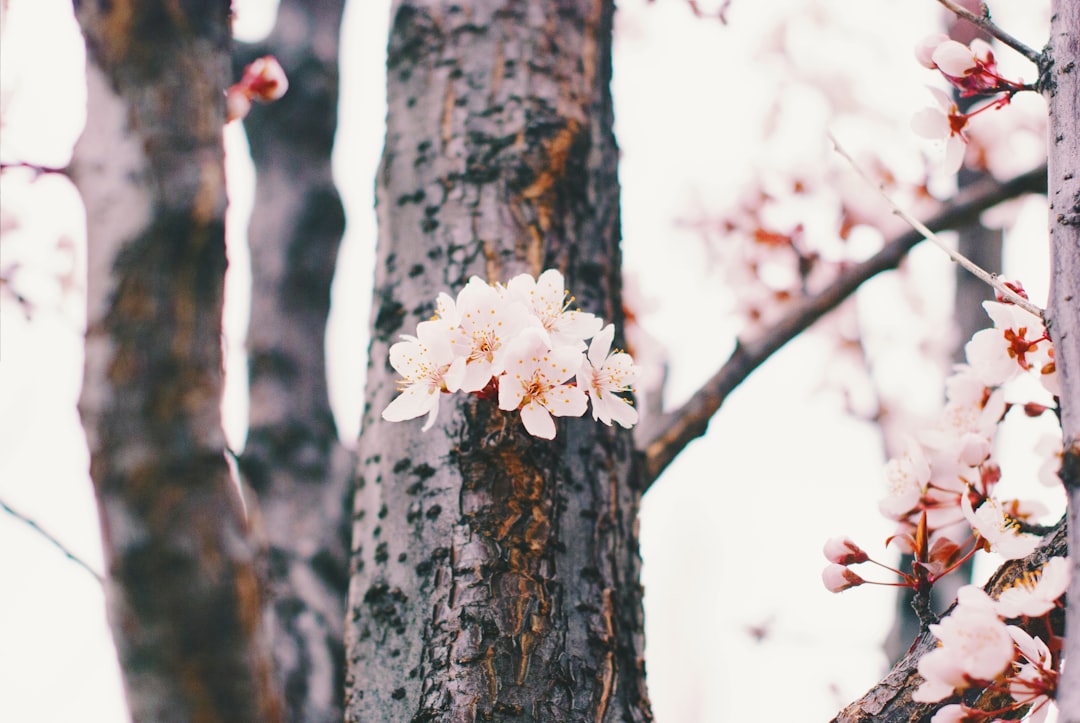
(890, 700)
(674, 430)
(984, 22)
(55, 542)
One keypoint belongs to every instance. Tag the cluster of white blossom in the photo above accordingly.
(521, 344)
(941, 493)
(977, 648)
(971, 70)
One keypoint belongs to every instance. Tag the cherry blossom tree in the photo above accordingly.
(494, 570)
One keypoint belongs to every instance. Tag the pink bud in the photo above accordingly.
(266, 79)
(842, 551)
(838, 578)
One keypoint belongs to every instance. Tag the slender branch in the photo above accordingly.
(674, 430)
(56, 543)
(984, 22)
(890, 700)
(977, 271)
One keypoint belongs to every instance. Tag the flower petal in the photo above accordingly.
(537, 421)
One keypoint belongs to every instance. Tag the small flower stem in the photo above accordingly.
(984, 22)
(976, 270)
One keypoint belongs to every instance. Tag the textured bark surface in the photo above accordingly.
(495, 575)
(890, 700)
(1062, 92)
(183, 595)
(293, 460)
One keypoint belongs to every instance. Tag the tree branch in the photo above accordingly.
(674, 430)
(890, 700)
(55, 542)
(984, 22)
(988, 278)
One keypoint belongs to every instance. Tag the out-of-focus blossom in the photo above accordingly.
(264, 80)
(944, 123)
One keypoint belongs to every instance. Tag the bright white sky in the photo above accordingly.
(731, 535)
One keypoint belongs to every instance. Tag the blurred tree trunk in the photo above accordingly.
(293, 460)
(183, 595)
(495, 575)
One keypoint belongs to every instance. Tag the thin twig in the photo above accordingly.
(982, 274)
(59, 545)
(984, 22)
(665, 438)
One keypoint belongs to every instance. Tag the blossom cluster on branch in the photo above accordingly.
(977, 649)
(942, 496)
(519, 344)
(972, 71)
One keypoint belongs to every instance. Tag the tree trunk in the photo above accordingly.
(1062, 91)
(293, 460)
(183, 595)
(495, 575)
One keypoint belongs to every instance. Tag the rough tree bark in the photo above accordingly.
(293, 460)
(183, 594)
(495, 574)
(1061, 88)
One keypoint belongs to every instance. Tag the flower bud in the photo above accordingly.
(842, 551)
(838, 578)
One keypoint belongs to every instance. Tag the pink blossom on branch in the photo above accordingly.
(842, 551)
(838, 578)
(264, 80)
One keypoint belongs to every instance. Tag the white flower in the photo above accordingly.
(1051, 449)
(1036, 595)
(955, 59)
(603, 376)
(546, 299)
(482, 324)
(924, 49)
(1036, 679)
(944, 123)
(907, 477)
(1000, 531)
(969, 422)
(1017, 343)
(973, 645)
(429, 367)
(534, 381)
